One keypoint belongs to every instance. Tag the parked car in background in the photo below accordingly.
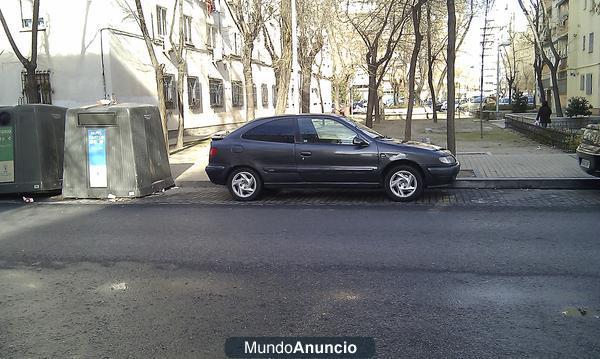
(504, 101)
(324, 151)
(588, 152)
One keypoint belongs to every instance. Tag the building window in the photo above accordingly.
(161, 21)
(170, 90)
(44, 87)
(194, 93)
(591, 43)
(215, 88)
(211, 41)
(187, 29)
(582, 82)
(274, 94)
(254, 97)
(583, 44)
(588, 84)
(264, 93)
(237, 94)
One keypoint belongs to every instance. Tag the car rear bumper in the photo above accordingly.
(594, 163)
(217, 174)
(437, 176)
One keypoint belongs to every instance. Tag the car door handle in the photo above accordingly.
(305, 153)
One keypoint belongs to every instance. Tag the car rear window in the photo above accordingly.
(282, 131)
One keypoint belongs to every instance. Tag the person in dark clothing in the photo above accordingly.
(543, 115)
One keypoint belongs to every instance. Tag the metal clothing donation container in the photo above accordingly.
(115, 150)
(31, 148)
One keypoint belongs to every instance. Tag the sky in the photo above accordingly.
(469, 56)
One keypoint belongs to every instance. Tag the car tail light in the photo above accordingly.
(213, 152)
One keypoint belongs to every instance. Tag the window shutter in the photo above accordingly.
(588, 83)
(591, 45)
(582, 83)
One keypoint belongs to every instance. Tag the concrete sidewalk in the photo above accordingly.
(554, 165)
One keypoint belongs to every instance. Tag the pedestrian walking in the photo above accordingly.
(543, 115)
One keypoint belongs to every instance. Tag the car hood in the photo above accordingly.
(414, 144)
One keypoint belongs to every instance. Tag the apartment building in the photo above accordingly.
(584, 54)
(93, 49)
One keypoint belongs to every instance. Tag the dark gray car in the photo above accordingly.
(324, 150)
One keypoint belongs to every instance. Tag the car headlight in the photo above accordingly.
(447, 160)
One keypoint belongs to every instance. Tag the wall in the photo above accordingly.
(82, 35)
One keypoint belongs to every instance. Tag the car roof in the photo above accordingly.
(285, 116)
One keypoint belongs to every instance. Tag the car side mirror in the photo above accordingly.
(357, 141)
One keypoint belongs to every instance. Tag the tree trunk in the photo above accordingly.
(162, 106)
(320, 94)
(537, 67)
(555, 91)
(416, 20)
(283, 87)
(372, 94)
(158, 72)
(430, 64)
(180, 80)
(450, 131)
(336, 95)
(31, 88)
(305, 79)
(248, 80)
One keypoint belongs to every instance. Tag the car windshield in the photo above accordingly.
(366, 130)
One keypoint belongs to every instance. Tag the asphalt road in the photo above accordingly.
(177, 280)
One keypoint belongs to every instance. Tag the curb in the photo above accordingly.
(527, 183)
(485, 183)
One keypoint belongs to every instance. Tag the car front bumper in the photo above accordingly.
(217, 174)
(441, 175)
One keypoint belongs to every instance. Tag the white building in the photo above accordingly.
(93, 49)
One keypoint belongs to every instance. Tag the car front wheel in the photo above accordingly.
(244, 184)
(403, 184)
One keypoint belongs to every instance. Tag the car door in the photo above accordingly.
(269, 148)
(325, 152)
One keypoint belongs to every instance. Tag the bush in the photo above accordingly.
(578, 106)
(519, 102)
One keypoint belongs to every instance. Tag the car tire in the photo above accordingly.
(244, 184)
(398, 183)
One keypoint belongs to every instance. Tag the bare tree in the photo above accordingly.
(464, 14)
(281, 58)
(430, 61)
(31, 87)
(509, 60)
(416, 24)
(179, 61)
(310, 42)
(380, 26)
(249, 17)
(543, 38)
(342, 46)
(159, 69)
(450, 130)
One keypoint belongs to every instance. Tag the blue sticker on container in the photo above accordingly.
(97, 157)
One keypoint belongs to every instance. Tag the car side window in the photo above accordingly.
(324, 130)
(283, 131)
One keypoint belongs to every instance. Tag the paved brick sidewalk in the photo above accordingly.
(555, 165)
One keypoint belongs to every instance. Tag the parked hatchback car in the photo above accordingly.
(588, 152)
(324, 150)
